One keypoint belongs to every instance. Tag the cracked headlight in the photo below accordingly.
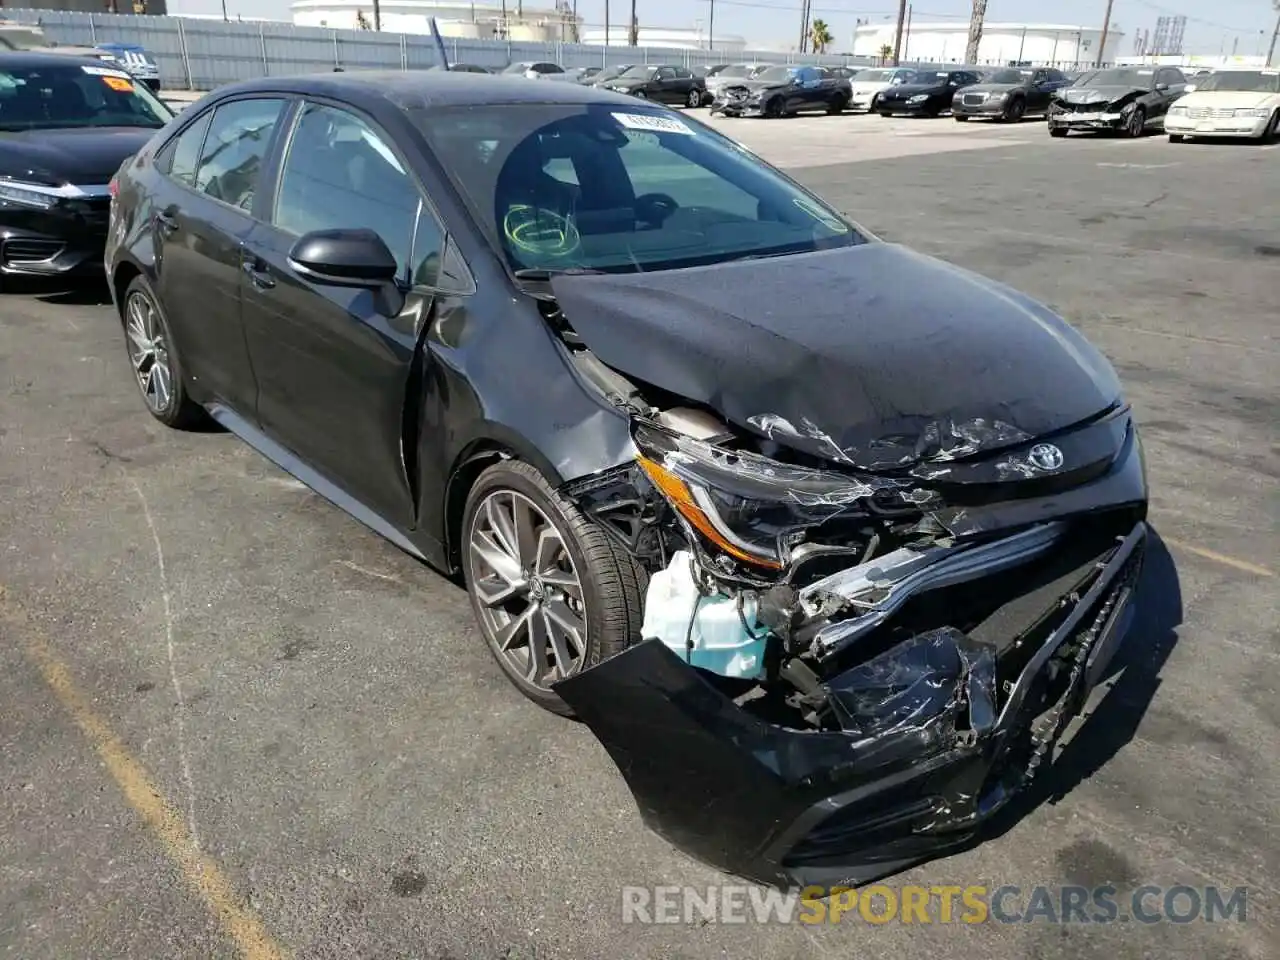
(751, 507)
(27, 194)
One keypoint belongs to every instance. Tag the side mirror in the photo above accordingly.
(344, 258)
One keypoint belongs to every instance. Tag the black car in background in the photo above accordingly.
(552, 338)
(605, 76)
(462, 68)
(1008, 94)
(927, 95)
(1125, 100)
(782, 91)
(662, 83)
(66, 125)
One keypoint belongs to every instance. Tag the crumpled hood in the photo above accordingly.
(1097, 94)
(88, 156)
(872, 355)
(753, 85)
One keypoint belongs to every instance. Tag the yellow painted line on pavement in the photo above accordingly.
(161, 817)
(1221, 558)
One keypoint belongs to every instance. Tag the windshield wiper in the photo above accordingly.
(546, 273)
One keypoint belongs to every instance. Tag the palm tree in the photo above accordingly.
(886, 52)
(820, 36)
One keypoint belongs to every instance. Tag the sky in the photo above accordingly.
(1211, 27)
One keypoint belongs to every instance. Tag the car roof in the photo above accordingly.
(426, 89)
(31, 58)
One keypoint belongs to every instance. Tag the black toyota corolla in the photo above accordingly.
(66, 125)
(824, 539)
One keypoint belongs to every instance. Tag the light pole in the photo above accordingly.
(1102, 43)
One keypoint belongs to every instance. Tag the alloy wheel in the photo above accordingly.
(149, 353)
(1137, 123)
(695, 98)
(528, 591)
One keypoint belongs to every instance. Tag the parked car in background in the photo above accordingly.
(606, 75)
(1229, 103)
(537, 70)
(840, 73)
(462, 68)
(726, 75)
(1127, 100)
(927, 94)
(708, 70)
(865, 88)
(1009, 94)
(782, 91)
(661, 82)
(585, 74)
(66, 125)
(136, 59)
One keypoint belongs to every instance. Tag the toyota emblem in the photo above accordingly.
(1045, 456)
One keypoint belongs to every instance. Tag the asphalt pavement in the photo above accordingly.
(233, 722)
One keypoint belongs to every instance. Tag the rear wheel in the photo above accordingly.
(694, 99)
(553, 594)
(157, 368)
(837, 105)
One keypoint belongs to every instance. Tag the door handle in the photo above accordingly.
(167, 222)
(257, 272)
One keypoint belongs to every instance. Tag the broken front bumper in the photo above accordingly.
(937, 734)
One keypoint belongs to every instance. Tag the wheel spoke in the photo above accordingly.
(487, 548)
(506, 637)
(562, 580)
(538, 637)
(503, 527)
(495, 591)
(160, 379)
(559, 646)
(547, 552)
(566, 624)
(527, 541)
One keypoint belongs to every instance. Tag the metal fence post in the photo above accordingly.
(186, 60)
(336, 61)
(93, 32)
(404, 52)
(262, 40)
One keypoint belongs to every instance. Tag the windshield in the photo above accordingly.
(1241, 81)
(46, 97)
(737, 70)
(639, 71)
(775, 73)
(1008, 76)
(598, 187)
(1117, 78)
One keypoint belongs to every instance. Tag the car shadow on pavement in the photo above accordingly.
(1134, 676)
(84, 295)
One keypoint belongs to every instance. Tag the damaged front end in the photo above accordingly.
(843, 672)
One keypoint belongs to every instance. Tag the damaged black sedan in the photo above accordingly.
(1125, 100)
(824, 539)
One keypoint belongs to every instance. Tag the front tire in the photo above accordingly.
(552, 593)
(836, 107)
(1013, 113)
(1272, 133)
(960, 118)
(1057, 132)
(1136, 125)
(1175, 138)
(773, 109)
(157, 368)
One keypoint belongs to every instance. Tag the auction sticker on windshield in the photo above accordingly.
(645, 121)
(119, 84)
(105, 72)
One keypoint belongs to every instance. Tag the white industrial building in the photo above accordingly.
(1001, 43)
(513, 20)
(694, 38)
